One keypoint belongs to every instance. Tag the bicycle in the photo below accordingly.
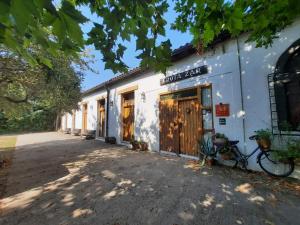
(266, 158)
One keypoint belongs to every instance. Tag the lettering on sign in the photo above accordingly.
(184, 75)
(222, 121)
(222, 110)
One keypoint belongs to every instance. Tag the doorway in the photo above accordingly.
(127, 116)
(73, 119)
(101, 118)
(84, 117)
(181, 116)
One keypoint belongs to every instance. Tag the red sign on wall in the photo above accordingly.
(222, 110)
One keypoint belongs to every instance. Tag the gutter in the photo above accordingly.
(242, 92)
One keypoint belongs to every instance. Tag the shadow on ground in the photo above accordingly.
(59, 179)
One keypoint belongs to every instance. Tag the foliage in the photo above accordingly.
(220, 135)
(205, 146)
(206, 19)
(56, 29)
(36, 95)
(264, 134)
(31, 120)
(292, 150)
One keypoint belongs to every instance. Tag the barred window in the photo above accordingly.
(287, 91)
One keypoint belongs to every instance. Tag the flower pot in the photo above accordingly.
(226, 156)
(220, 142)
(210, 161)
(135, 145)
(143, 146)
(264, 144)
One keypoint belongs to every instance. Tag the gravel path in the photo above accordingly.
(60, 179)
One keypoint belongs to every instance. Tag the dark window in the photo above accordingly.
(180, 94)
(287, 92)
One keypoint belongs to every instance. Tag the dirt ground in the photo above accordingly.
(60, 179)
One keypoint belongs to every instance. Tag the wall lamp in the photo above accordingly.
(111, 103)
(143, 96)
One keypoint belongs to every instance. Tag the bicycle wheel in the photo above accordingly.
(272, 166)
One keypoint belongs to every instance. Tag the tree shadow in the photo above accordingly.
(95, 183)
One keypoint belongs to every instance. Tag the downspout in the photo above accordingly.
(242, 92)
(107, 109)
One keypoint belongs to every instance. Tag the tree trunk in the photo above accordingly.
(57, 122)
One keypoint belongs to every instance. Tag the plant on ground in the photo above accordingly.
(290, 150)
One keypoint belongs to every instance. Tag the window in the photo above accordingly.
(180, 94)
(206, 102)
(287, 90)
(287, 94)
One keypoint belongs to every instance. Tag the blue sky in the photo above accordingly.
(92, 79)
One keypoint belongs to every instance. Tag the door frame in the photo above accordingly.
(198, 97)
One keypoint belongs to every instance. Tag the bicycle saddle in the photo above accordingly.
(233, 142)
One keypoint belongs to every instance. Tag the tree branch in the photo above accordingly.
(16, 101)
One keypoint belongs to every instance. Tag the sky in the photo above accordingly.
(91, 79)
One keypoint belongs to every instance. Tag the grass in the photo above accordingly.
(7, 143)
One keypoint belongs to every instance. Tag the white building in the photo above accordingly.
(172, 112)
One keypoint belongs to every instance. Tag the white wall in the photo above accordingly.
(257, 63)
(224, 75)
(92, 101)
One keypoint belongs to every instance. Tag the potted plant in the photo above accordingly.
(143, 146)
(264, 138)
(220, 139)
(210, 161)
(206, 152)
(135, 144)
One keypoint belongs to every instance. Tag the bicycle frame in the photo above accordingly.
(246, 157)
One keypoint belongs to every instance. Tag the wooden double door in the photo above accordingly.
(128, 116)
(84, 117)
(101, 118)
(180, 125)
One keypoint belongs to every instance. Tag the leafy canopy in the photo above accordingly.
(57, 29)
(23, 87)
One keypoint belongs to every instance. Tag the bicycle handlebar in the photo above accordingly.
(253, 137)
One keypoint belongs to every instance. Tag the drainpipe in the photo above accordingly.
(242, 92)
(107, 109)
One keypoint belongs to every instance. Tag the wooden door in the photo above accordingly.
(73, 119)
(66, 121)
(128, 116)
(190, 128)
(101, 118)
(168, 127)
(84, 117)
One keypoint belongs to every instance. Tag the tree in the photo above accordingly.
(38, 93)
(57, 28)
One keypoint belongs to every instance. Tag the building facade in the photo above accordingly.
(233, 88)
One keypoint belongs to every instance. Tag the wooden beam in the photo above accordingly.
(129, 89)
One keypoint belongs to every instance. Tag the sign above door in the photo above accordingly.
(184, 75)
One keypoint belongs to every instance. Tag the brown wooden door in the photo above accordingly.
(101, 118)
(189, 119)
(128, 116)
(84, 118)
(168, 127)
(73, 119)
